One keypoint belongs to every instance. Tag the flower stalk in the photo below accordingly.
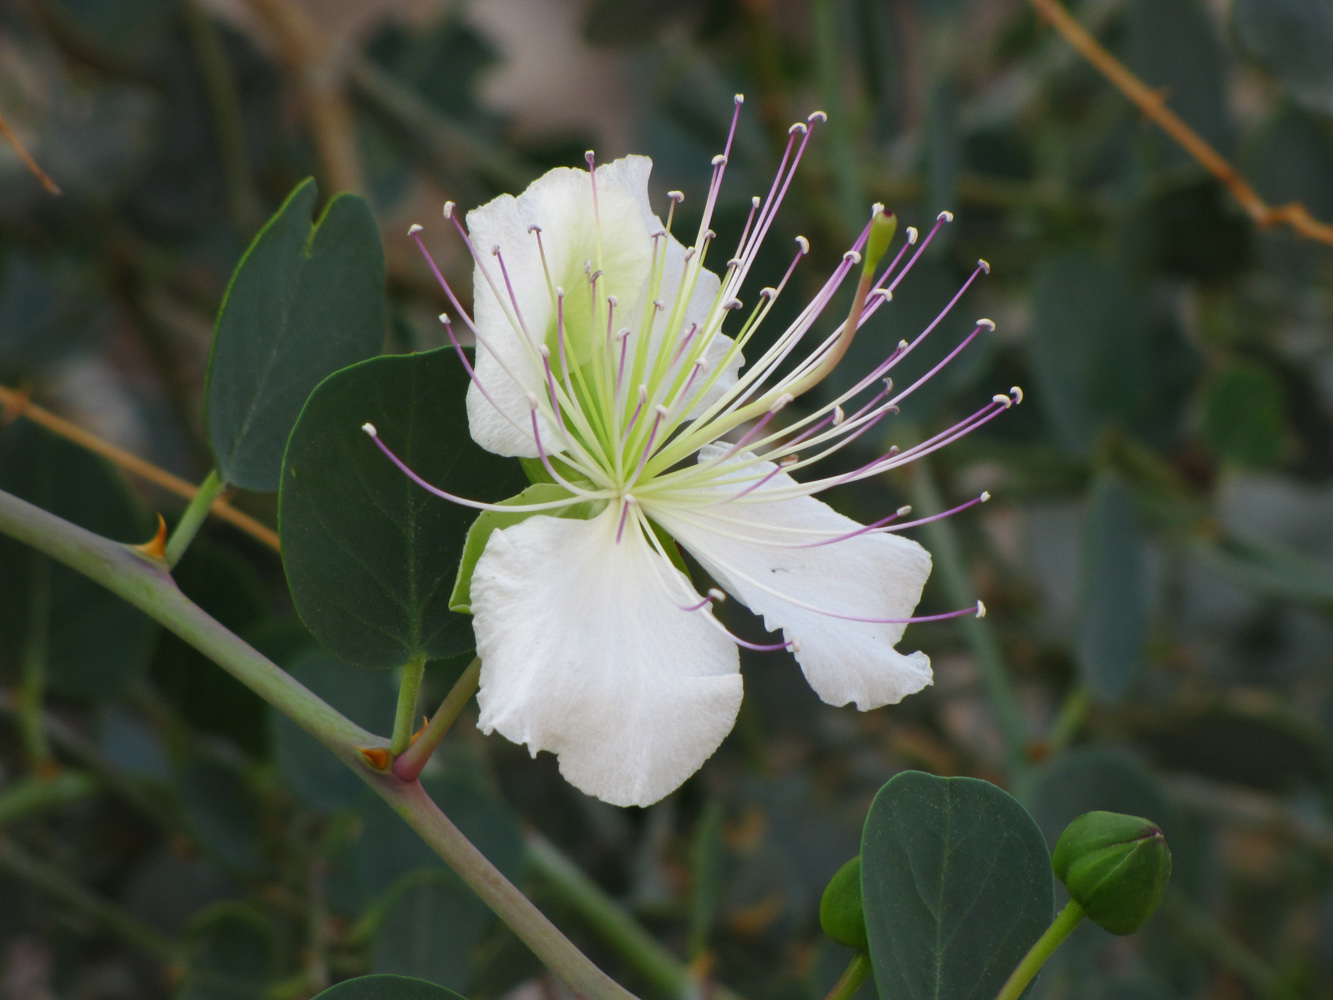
(1042, 949)
(193, 518)
(409, 764)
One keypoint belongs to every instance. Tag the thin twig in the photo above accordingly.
(51, 186)
(320, 80)
(1153, 105)
(15, 404)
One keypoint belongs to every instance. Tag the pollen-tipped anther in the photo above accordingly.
(852, 255)
(720, 160)
(1017, 393)
(985, 496)
(717, 595)
(839, 415)
(803, 244)
(369, 428)
(448, 209)
(945, 216)
(981, 610)
(590, 157)
(798, 128)
(1003, 400)
(984, 265)
(415, 228)
(913, 234)
(443, 318)
(816, 116)
(532, 401)
(739, 98)
(989, 324)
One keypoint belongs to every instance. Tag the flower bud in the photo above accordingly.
(840, 912)
(1116, 867)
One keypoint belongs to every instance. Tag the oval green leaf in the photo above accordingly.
(956, 885)
(303, 302)
(387, 988)
(371, 556)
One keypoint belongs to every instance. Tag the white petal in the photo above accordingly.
(586, 652)
(868, 576)
(560, 202)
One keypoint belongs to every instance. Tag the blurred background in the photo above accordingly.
(1157, 558)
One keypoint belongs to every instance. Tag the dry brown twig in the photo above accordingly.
(17, 404)
(51, 186)
(1153, 105)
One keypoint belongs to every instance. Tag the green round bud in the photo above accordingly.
(840, 912)
(1116, 867)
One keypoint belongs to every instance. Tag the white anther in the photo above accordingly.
(532, 400)
(839, 415)
(495, 250)
(595, 275)
(590, 155)
(781, 402)
(981, 610)
(984, 265)
(768, 292)
(904, 510)
(1000, 397)
(709, 234)
(444, 318)
(534, 228)
(734, 262)
(945, 216)
(369, 428)
(655, 235)
(612, 301)
(902, 345)
(643, 393)
(985, 496)
(740, 98)
(716, 595)
(676, 196)
(658, 305)
(882, 293)
(544, 351)
(622, 333)
(804, 244)
(989, 324)
(799, 128)
(733, 304)
(662, 411)
(817, 116)
(702, 364)
(689, 252)
(787, 461)
(559, 291)
(795, 646)
(413, 229)
(853, 256)
(720, 160)
(893, 450)
(888, 384)
(1017, 393)
(912, 235)
(755, 200)
(448, 209)
(876, 209)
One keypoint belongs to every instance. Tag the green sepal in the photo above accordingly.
(841, 914)
(1116, 867)
(460, 598)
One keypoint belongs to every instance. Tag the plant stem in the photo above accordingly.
(614, 925)
(980, 636)
(1061, 927)
(858, 969)
(150, 588)
(31, 795)
(409, 693)
(193, 518)
(32, 680)
(1068, 721)
(410, 763)
(55, 882)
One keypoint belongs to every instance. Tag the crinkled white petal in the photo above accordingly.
(561, 203)
(871, 576)
(586, 652)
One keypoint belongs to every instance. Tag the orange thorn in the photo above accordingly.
(156, 547)
(425, 721)
(376, 757)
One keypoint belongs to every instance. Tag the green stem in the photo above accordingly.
(948, 556)
(32, 681)
(149, 587)
(409, 693)
(615, 926)
(856, 973)
(410, 763)
(193, 518)
(1069, 721)
(55, 882)
(30, 796)
(1063, 925)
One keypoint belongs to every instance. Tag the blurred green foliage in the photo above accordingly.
(1158, 558)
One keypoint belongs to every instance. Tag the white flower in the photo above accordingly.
(600, 353)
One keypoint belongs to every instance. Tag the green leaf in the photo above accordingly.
(1115, 602)
(956, 884)
(429, 929)
(387, 988)
(370, 555)
(231, 954)
(1243, 414)
(490, 521)
(303, 302)
(1292, 38)
(95, 645)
